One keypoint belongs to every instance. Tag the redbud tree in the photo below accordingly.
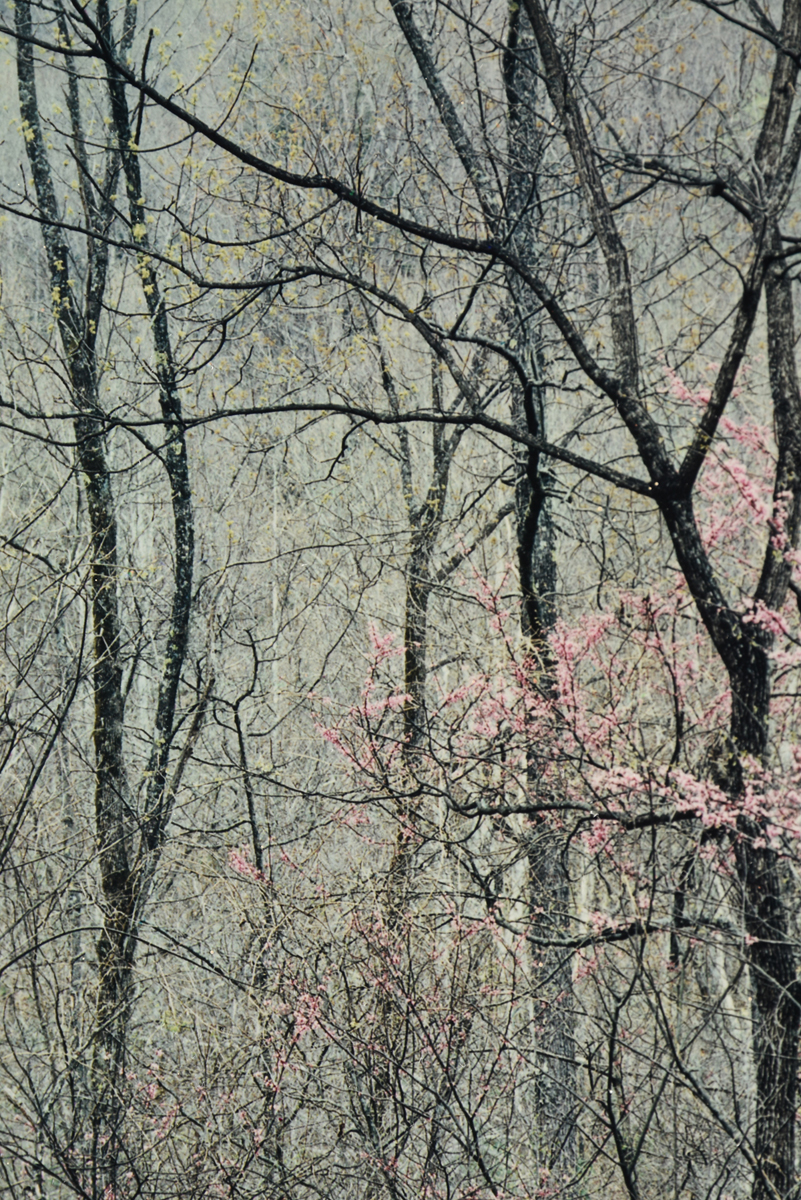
(620, 741)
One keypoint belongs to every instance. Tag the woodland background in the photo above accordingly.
(399, 600)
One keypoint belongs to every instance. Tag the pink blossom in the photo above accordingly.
(767, 619)
(240, 861)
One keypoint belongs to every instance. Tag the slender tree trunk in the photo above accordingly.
(78, 333)
(549, 898)
(775, 989)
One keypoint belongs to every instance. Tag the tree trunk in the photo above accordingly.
(549, 899)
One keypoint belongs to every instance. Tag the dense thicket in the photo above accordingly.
(401, 438)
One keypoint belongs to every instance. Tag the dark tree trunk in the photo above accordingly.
(549, 899)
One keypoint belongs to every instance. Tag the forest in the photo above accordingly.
(400, 600)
